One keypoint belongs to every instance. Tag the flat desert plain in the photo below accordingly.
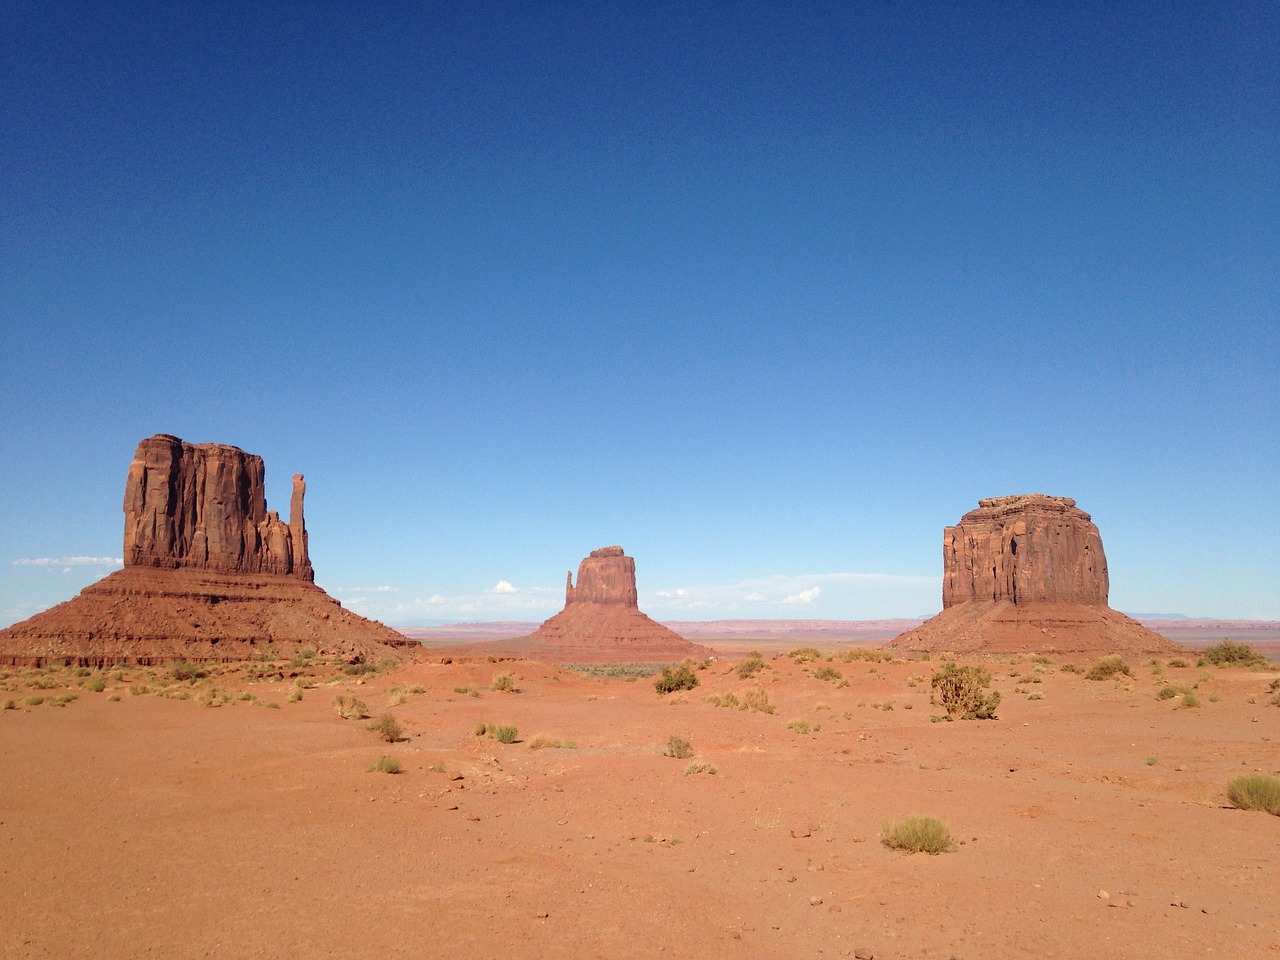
(1090, 817)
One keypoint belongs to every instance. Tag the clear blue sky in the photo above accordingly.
(767, 293)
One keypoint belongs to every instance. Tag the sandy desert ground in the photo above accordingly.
(1091, 815)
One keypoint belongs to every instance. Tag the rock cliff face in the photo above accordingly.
(1024, 549)
(202, 507)
(210, 574)
(607, 576)
(1027, 574)
(602, 623)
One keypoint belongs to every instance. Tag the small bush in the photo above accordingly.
(1108, 666)
(757, 698)
(184, 671)
(503, 683)
(959, 691)
(699, 766)
(1231, 653)
(543, 741)
(728, 700)
(348, 707)
(799, 726)
(1190, 700)
(461, 689)
(503, 733)
(32, 701)
(9, 705)
(383, 765)
(359, 668)
(1071, 668)
(387, 727)
(749, 667)
(804, 654)
(678, 748)
(1255, 791)
(918, 835)
(480, 729)
(675, 678)
(1177, 662)
(828, 673)
(1274, 690)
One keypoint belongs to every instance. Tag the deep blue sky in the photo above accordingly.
(768, 297)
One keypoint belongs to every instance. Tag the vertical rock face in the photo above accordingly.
(601, 621)
(1024, 549)
(202, 507)
(607, 576)
(1027, 574)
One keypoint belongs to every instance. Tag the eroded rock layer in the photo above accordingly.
(601, 621)
(1027, 574)
(210, 574)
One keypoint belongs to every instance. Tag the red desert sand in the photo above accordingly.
(1089, 819)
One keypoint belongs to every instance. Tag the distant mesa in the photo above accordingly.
(209, 574)
(602, 623)
(1027, 574)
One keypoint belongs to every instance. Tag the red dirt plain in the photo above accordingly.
(1093, 820)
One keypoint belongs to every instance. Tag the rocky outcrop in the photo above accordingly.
(210, 574)
(1027, 574)
(202, 507)
(602, 623)
(1024, 549)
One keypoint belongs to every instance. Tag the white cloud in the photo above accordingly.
(69, 562)
(681, 592)
(838, 596)
(754, 597)
(367, 589)
(503, 586)
(804, 596)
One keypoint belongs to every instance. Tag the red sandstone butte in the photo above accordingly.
(209, 574)
(601, 621)
(1027, 574)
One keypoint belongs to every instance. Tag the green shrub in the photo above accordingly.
(503, 683)
(387, 727)
(828, 673)
(749, 667)
(728, 700)
(678, 748)
(348, 706)
(184, 671)
(32, 701)
(918, 835)
(959, 691)
(383, 765)
(94, 685)
(1108, 666)
(359, 668)
(1190, 700)
(1255, 791)
(676, 678)
(799, 726)
(1230, 653)
(503, 733)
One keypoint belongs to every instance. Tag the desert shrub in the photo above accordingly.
(1169, 691)
(1231, 653)
(295, 694)
(1255, 791)
(1178, 662)
(359, 668)
(32, 701)
(303, 658)
(503, 683)
(828, 673)
(749, 667)
(503, 732)
(1071, 668)
(461, 689)
(757, 698)
(10, 705)
(1042, 660)
(1106, 667)
(728, 700)
(678, 748)
(1274, 690)
(675, 678)
(397, 697)
(959, 691)
(184, 671)
(804, 654)
(348, 707)
(383, 765)
(387, 727)
(480, 729)
(1035, 695)
(918, 835)
(699, 766)
(543, 741)
(94, 684)
(1190, 700)
(799, 726)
